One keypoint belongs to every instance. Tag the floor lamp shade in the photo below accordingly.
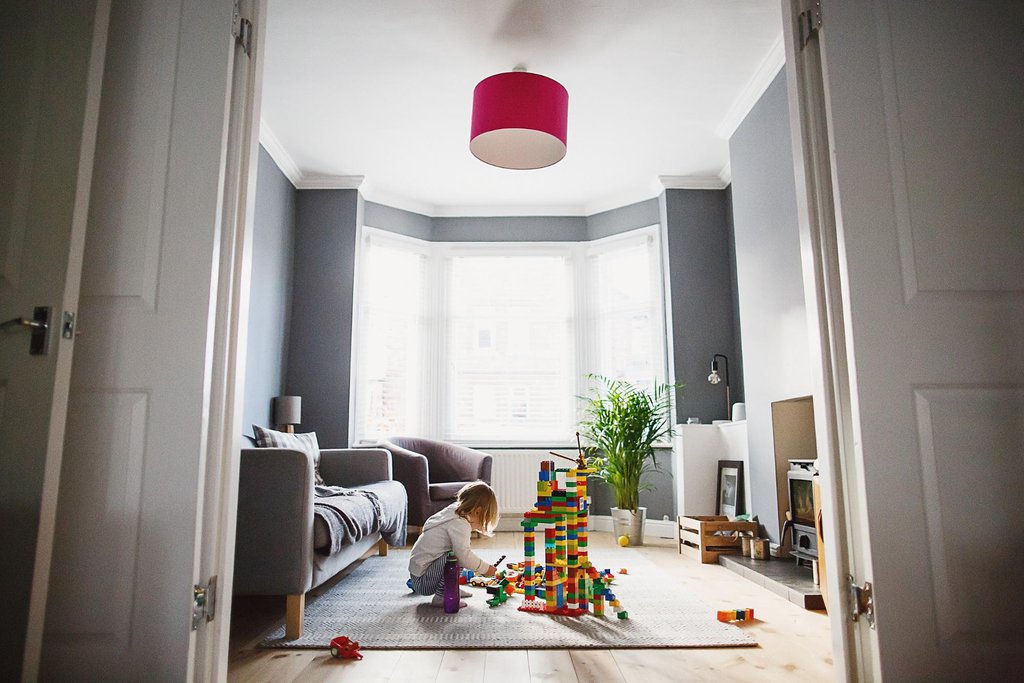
(519, 120)
(287, 410)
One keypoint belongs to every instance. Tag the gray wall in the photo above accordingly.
(623, 219)
(659, 501)
(320, 337)
(397, 220)
(514, 228)
(270, 292)
(702, 295)
(698, 228)
(770, 285)
(511, 229)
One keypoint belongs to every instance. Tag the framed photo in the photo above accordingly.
(730, 488)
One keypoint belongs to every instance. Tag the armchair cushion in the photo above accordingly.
(446, 491)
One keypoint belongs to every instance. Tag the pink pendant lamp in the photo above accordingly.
(519, 120)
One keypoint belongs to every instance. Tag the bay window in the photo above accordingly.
(488, 343)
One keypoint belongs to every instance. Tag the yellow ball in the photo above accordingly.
(623, 541)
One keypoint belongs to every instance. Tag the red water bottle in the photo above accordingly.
(451, 584)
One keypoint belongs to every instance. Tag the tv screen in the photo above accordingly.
(801, 501)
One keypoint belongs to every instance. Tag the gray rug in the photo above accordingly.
(373, 606)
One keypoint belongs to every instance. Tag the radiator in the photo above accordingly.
(514, 479)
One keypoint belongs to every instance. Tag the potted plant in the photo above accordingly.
(622, 423)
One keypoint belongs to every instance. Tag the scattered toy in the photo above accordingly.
(623, 541)
(343, 648)
(735, 614)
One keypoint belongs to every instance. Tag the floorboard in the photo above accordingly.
(794, 643)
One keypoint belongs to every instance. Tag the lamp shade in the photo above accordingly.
(519, 120)
(287, 410)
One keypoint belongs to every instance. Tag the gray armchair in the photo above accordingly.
(433, 472)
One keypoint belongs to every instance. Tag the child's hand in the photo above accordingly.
(491, 571)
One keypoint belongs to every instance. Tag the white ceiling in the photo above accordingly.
(383, 89)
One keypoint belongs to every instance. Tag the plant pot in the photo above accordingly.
(629, 524)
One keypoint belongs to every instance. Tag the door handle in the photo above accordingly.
(24, 322)
(39, 325)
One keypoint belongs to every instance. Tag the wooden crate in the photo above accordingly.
(698, 536)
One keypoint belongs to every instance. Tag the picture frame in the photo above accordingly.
(731, 493)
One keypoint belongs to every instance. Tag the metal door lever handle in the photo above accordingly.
(24, 322)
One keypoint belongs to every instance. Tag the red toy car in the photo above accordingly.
(343, 648)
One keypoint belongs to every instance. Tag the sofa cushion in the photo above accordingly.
(269, 438)
(446, 490)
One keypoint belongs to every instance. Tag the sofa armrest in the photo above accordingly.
(354, 467)
(274, 531)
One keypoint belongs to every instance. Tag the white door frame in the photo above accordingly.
(847, 553)
(220, 489)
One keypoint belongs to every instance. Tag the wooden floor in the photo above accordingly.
(794, 644)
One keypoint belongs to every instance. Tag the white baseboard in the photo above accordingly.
(656, 531)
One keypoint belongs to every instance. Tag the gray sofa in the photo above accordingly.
(279, 542)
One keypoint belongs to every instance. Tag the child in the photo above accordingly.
(475, 509)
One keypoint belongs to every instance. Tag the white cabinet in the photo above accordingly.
(696, 450)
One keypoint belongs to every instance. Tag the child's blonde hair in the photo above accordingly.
(478, 495)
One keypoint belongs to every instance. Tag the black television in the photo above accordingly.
(801, 500)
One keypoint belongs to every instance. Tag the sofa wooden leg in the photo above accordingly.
(293, 617)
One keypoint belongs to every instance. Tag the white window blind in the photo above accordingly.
(391, 335)
(510, 346)
(624, 304)
(489, 342)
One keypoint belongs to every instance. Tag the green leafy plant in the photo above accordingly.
(621, 424)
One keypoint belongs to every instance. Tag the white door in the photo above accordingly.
(924, 103)
(51, 58)
(143, 391)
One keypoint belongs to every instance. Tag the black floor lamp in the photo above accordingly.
(715, 378)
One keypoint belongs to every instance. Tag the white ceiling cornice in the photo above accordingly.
(322, 181)
(303, 181)
(752, 91)
(372, 193)
(278, 153)
(495, 210)
(693, 182)
(726, 173)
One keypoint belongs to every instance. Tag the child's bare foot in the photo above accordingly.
(438, 601)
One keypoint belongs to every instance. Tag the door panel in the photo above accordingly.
(924, 106)
(955, 425)
(127, 222)
(958, 202)
(129, 507)
(106, 500)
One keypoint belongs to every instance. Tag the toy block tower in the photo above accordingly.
(567, 581)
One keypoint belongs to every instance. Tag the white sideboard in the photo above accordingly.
(696, 450)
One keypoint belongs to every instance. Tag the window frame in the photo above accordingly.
(435, 352)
